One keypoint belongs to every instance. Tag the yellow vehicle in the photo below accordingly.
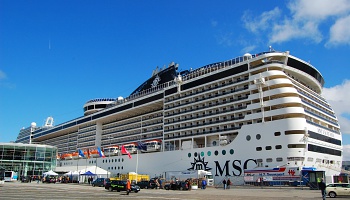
(132, 176)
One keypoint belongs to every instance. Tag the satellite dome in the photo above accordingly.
(33, 125)
(247, 56)
(120, 98)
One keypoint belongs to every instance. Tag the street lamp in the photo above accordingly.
(32, 127)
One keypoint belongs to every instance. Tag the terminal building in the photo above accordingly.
(27, 159)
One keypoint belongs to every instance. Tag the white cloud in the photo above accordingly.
(262, 22)
(2, 75)
(315, 10)
(346, 152)
(303, 21)
(340, 32)
(338, 98)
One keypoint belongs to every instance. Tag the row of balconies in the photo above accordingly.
(209, 114)
(224, 100)
(190, 110)
(181, 135)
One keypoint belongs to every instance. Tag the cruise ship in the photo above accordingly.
(257, 114)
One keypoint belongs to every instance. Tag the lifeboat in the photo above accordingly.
(152, 146)
(67, 156)
(111, 151)
(91, 153)
(94, 153)
(131, 147)
(75, 155)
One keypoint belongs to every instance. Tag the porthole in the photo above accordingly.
(189, 155)
(248, 138)
(223, 152)
(216, 153)
(195, 154)
(278, 147)
(268, 147)
(214, 143)
(258, 148)
(232, 151)
(209, 153)
(202, 153)
(258, 136)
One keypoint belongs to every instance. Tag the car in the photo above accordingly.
(146, 184)
(178, 185)
(120, 186)
(99, 182)
(338, 189)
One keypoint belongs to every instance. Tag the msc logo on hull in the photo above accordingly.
(228, 168)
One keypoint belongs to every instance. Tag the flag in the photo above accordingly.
(81, 153)
(141, 146)
(124, 151)
(100, 152)
(88, 153)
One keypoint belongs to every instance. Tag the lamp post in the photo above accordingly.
(32, 127)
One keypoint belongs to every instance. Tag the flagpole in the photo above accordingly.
(77, 165)
(137, 151)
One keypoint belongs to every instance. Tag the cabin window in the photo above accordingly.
(258, 136)
(277, 133)
(278, 146)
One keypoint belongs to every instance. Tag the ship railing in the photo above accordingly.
(316, 115)
(331, 130)
(144, 93)
(219, 65)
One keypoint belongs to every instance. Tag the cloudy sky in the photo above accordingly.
(56, 55)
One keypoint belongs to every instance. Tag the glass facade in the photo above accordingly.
(27, 159)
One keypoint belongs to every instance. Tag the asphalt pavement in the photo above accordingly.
(33, 190)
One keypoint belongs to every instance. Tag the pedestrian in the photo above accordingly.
(128, 187)
(204, 184)
(224, 182)
(322, 187)
(228, 183)
(160, 184)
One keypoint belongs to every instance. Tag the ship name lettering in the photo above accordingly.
(236, 165)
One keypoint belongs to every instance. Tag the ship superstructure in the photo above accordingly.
(255, 112)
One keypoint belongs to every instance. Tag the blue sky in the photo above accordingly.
(56, 55)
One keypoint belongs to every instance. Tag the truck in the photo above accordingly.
(133, 177)
(190, 174)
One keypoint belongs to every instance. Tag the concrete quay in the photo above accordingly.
(33, 190)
